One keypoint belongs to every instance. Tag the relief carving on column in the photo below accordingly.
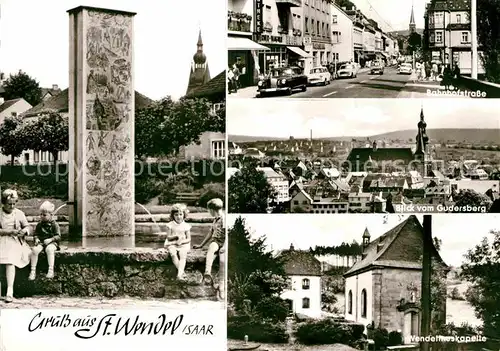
(109, 105)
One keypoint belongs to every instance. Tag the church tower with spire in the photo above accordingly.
(413, 26)
(422, 152)
(199, 73)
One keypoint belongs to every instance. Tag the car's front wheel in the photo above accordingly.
(289, 91)
(304, 87)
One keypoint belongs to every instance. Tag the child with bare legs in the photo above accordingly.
(178, 242)
(215, 238)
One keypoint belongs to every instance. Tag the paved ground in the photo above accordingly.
(240, 345)
(97, 303)
(389, 85)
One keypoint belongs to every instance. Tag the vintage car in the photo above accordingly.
(284, 79)
(377, 69)
(405, 68)
(348, 70)
(319, 75)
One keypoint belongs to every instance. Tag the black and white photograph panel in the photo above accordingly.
(363, 156)
(363, 48)
(112, 154)
(392, 282)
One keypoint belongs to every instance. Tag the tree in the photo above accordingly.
(12, 142)
(475, 201)
(488, 35)
(249, 191)
(482, 269)
(414, 43)
(49, 133)
(21, 85)
(162, 128)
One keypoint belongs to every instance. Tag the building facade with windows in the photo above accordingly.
(448, 33)
(383, 288)
(279, 182)
(343, 42)
(317, 33)
(304, 291)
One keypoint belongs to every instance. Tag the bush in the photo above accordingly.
(328, 331)
(258, 330)
(171, 189)
(273, 308)
(211, 191)
(395, 338)
(381, 338)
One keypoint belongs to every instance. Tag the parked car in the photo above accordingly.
(348, 70)
(319, 75)
(284, 79)
(377, 69)
(405, 68)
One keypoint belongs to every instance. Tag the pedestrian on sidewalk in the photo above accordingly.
(447, 77)
(413, 76)
(236, 73)
(231, 83)
(456, 76)
(47, 235)
(435, 71)
(422, 71)
(427, 70)
(14, 251)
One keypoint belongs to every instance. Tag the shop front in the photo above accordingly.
(283, 52)
(245, 53)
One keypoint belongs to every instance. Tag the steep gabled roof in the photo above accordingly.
(299, 262)
(8, 104)
(214, 86)
(60, 103)
(379, 253)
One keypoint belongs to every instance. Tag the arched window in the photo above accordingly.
(349, 302)
(305, 302)
(363, 303)
(305, 284)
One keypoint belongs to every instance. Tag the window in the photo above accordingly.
(438, 18)
(334, 19)
(14, 114)
(465, 37)
(432, 38)
(349, 302)
(363, 303)
(305, 302)
(459, 18)
(318, 32)
(439, 37)
(218, 149)
(307, 25)
(312, 26)
(305, 284)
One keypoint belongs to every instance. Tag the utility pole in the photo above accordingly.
(426, 282)
(473, 28)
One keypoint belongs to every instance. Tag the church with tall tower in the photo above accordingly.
(422, 154)
(413, 26)
(199, 73)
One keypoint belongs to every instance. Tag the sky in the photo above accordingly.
(34, 37)
(354, 117)
(393, 14)
(305, 231)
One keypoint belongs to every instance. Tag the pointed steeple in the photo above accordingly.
(413, 27)
(200, 74)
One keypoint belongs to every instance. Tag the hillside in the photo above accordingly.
(472, 136)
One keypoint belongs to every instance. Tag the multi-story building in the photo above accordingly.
(317, 32)
(304, 273)
(278, 181)
(448, 33)
(342, 35)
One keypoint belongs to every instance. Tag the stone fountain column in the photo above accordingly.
(101, 122)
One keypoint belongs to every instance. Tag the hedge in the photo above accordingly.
(258, 330)
(328, 331)
(207, 177)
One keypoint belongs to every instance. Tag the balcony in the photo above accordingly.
(239, 22)
(291, 3)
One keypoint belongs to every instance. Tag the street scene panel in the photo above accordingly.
(378, 282)
(111, 197)
(359, 49)
(363, 156)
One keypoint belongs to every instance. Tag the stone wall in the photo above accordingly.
(138, 272)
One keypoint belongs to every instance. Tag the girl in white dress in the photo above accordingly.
(178, 242)
(13, 249)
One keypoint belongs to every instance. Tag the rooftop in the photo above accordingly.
(8, 104)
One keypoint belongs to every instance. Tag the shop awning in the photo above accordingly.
(237, 44)
(298, 51)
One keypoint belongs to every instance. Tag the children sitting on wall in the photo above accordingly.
(178, 242)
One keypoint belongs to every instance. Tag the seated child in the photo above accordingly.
(215, 238)
(178, 242)
(47, 235)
